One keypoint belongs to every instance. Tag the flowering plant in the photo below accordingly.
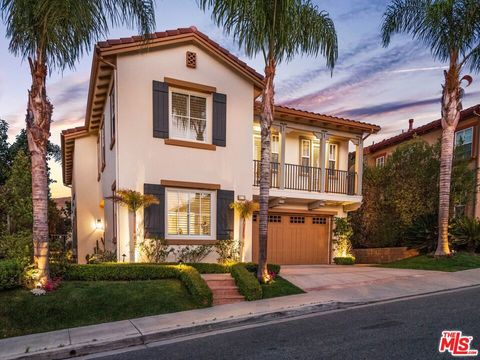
(38, 292)
(52, 284)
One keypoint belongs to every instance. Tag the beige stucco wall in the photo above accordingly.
(86, 190)
(145, 159)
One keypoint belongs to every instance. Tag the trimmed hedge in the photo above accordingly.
(347, 260)
(247, 283)
(252, 267)
(196, 286)
(10, 274)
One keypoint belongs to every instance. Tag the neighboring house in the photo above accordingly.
(180, 121)
(466, 141)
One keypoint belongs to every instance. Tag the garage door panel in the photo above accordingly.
(296, 240)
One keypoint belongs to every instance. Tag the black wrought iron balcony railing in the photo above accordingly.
(308, 178)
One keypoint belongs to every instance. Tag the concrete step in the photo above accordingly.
(223, 288)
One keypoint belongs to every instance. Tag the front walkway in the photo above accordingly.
(330, 287)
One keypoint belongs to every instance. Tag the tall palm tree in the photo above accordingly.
(278, 29)
(134, 201)
(54, 34)
(451, 29)
(245, 210)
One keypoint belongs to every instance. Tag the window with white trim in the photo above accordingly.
(275, 148)
(380, 161)
(190, 214)
(332, 156)
(188, 115)
(463, 143)
(305, 155)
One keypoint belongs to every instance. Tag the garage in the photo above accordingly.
(295, 239)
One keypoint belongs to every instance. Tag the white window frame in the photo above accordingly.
(457, 133)
(335, 156)
(380, 161)
(208, 126)
(213, 216)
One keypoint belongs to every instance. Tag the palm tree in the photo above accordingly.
(245, 209)
(451, 29)
(278, 29)
(54, 34)
(134, 201)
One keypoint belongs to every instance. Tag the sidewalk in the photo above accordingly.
(121, 334)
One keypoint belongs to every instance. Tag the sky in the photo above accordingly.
(384, 86)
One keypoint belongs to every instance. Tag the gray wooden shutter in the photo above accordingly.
(224, 214)
(160, 110)
(219, 136)
(154, 215)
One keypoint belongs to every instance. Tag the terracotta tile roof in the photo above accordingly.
(421, 130)
(373, 126)
(175, 32)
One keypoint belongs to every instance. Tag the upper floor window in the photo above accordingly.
(464, 143)
(305, 152)
(112, 118)
(332, 156)
(380, 161)
(275, 148)
(190, 213)
(188, 116)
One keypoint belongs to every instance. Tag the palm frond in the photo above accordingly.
(134, 200)
(59, 32)
(245, 208)
(280, 29)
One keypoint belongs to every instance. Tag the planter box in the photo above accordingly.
(383, 255)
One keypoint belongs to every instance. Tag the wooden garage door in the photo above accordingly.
(295, 239)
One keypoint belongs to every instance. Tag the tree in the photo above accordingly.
(245, 209)
(134, 201)
(451, 29)
(279, 30)
(4, 151)
(55, 34)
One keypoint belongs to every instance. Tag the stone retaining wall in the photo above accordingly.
(383, 255)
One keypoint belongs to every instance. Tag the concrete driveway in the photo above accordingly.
(323, 277)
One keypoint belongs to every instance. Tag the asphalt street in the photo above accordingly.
(408, 329)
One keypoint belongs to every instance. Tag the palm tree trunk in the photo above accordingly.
(38, 118)
(266, 120)
(451, 105)
(134, 244)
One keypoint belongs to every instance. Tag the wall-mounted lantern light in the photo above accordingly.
(241, 197)
(98, 224)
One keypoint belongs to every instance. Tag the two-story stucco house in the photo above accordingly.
(177, 118)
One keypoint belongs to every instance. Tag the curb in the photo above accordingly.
(70, 351)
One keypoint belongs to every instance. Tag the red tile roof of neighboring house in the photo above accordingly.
(421, 130)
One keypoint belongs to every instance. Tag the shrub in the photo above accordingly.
(247, 283)
(227, 250)
(17, 247)
(210, 268)
(252, 267)
(116, 272)
(422, 234)
(10, 274)
(342, 232)
(193, 254)
(156, 250)
(344, 260)
(466, 233)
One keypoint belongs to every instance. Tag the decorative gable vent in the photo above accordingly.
(191, 59)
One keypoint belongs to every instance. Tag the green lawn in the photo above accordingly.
(459, 261)
(280, 287)
(77, 303)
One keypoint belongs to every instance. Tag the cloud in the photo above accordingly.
(390, 107)
(361, 74)
(72, 92)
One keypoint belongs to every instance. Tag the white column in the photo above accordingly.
(359, 163)
(322, 136)
(281, 170)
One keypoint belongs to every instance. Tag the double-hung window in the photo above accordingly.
(380, 161)
(332, 157)
(188, 115)
(305, 156)
(190, 214)
(463, 143)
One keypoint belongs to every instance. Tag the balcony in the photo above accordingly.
(308, 178)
